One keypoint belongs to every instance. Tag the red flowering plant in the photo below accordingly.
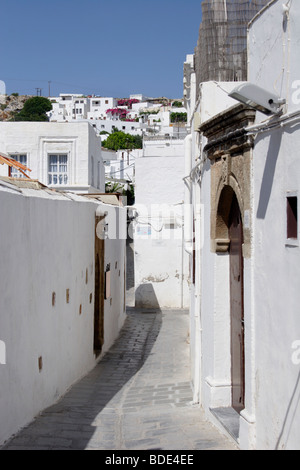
(118, 112)
(128, 102)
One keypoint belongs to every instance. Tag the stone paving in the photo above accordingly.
(137, 398)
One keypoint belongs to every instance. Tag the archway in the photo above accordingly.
(229, 236)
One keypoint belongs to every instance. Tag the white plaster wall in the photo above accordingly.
(272, 326)
(38, 139)
(96, 168)
(99, 110)
(276, 275)
(215, 99)
(47, 246)
(275, 322)
(163, 148)
(161, 265)
(115, 256)
(141, 105)
(279, 36)
(108, 125)
(158, 274)
(214, 310)
(209, 307)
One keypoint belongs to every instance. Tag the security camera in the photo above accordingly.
(258, 98)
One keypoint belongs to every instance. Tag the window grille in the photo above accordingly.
(58, 170)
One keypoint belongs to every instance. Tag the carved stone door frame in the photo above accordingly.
(229, 150)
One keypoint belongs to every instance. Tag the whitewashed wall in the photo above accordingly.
(99, 106)
(108, 125)
(47, 247)
(279, 34)
(161, 265)
(276, 274)
(276, 260)
(271, 276)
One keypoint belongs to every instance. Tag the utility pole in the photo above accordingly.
(49, 88)
(38, 92)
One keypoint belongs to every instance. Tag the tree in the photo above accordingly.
(178, 117)
(177, 104)
(120, 141)
(34, 110)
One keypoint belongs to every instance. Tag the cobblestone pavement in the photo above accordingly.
(137, 398)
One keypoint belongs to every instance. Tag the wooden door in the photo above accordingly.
(237, 307)
(99, 292)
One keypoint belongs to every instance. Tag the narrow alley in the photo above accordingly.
(137, 398)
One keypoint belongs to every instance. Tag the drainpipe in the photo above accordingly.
(188, 212)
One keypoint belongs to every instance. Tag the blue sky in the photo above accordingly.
(105, 47)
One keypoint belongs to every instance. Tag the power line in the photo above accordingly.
(120, 171)
(82, 87)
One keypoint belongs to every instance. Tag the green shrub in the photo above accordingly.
(34, 110)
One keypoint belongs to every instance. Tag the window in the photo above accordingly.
(13, 172)
(58, 169)
(292, 217)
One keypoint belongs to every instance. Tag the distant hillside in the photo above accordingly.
(10, 105)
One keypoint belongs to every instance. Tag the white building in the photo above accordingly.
(111, 125)
(243, 180)
(140, 97)
(161, 265)
(120, 165)
(57, 319)
(104, 113)
(99, 106)
(69, 107)
(64, 156)
(158, 121)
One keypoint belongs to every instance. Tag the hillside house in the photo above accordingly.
(63, 156)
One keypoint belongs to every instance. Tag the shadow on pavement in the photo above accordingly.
(77, 417)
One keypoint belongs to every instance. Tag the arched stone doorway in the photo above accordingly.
(230, 239)
(227, 360)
